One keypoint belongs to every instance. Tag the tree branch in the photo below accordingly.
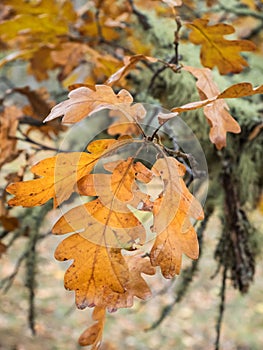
(141, 17)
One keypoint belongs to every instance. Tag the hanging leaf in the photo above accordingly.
(172, 225)
(220, 120)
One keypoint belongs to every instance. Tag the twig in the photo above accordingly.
(141, 17)
(221, 308)
(40, 145)
(173, 63)
(7, 282)
(97, 20)
(30, 283)
(176, 39)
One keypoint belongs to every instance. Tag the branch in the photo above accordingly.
(141, 17)
(176, 39)
(40, 145)
(7, 282)
(173, 63)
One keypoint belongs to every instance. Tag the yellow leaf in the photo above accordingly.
(216, 50)
(98, 274)
(59, 176)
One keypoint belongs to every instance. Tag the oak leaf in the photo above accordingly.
(84, 102)
(216, 50)
(101, 276)
(107, 220)
(98, 274)
(59, 176)
(172, 225)
(129, 63)
(234, 91)
(220, 120)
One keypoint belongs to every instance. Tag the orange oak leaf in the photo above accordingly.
(93, 335)
(129, 63)
(216, 50)
(59, 176)
(172, 225)
(122, 180)
(107, 220)
(84, 102)
(98, 274)
(234, 91)
(101, 276)
(136, 286)
(216, 113)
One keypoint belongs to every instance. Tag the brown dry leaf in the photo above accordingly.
(9, 120)
(93, 335)
(9, 223)
(129, 63)
(59, 176)
(234, 91)
(3, 248)
(245, 26)
(70, 56)
(40, 63)
(172, 213)
(35, 113)
(220, 120)
(241, 90)
(216, 50)
(84, 102)
(136, 285)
